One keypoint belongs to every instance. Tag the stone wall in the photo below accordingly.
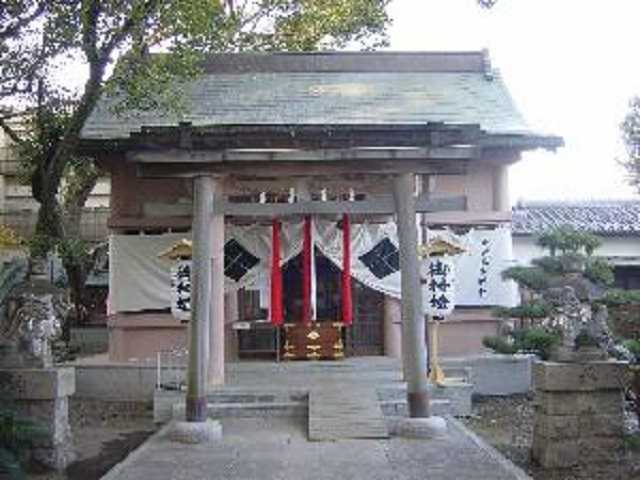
(579, 413)
(494, 374)
(90, 340)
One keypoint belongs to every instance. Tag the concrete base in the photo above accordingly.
(209, 431)
(430, 427)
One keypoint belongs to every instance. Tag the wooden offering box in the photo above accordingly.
(317, 341)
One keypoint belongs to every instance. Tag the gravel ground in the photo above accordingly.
(507, 424)
(101, 439)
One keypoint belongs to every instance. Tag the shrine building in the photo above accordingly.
(298, 177)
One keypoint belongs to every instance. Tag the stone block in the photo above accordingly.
(40, 384)
(42, 395)
(557, 427)
(555, 453)
(579, 377)
(598, 450)
(601, 425)
(606, 402)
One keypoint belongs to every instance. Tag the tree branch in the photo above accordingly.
(129, 24)
(10, 132)
(12, 30)
(90, 14)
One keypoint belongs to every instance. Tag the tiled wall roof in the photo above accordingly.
(621, 217)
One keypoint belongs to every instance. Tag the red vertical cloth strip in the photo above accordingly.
(277, 313)
(306, 271)
(347, 301)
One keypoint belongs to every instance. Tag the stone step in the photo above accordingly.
(244, 395)
(345, 411)
(249, 410)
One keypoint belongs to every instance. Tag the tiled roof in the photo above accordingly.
(615, 217)
(335, 88)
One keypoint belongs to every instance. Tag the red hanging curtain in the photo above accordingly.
(277, 312)
(347, 302)
(306, 271)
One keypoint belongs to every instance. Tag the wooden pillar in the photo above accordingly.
(392, 328)
(215, 370)
(196, 405)
(231, 314)
(501, 188)
(414, 348)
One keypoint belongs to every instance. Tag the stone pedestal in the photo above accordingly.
(42, 395)
(579, 413)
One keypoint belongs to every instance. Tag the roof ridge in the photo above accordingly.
(349, 61)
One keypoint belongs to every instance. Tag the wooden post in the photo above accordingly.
(414, 348)
(215, 370)
(196, 405)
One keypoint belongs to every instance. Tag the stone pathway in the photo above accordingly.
(341, 411)
(277, 448)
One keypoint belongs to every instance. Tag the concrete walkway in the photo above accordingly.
(277, 448)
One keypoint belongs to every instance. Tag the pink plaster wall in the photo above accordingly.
(462, 333)
(477, 186)
(141, 335)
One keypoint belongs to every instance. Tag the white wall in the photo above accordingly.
(624, 250)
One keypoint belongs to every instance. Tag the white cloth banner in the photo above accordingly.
(139, 280)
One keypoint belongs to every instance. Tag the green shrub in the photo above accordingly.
(616, 297)
(499, 344)
(549, 264)
(568, 240)
(633, 346)
(534, 309)
(599, 271)
(532, 277)
(536, 340)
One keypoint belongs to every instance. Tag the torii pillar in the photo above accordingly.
(215, 368)
(199, 326)
(414, 348)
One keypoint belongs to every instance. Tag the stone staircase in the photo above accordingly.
(263, 390)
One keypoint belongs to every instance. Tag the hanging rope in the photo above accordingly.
(347, 302)
(307, 252)
(277, 313)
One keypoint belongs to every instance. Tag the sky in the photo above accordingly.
(571, 67)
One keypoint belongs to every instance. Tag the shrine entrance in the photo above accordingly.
(366, 335)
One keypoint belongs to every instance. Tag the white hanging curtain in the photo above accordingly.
(139, 280)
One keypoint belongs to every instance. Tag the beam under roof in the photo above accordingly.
(460, 152)
(375, 206)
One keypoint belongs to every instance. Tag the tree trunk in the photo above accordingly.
(75, 199)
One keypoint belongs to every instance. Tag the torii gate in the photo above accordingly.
(210, 156)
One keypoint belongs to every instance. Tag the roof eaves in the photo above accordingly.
(523, 141)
